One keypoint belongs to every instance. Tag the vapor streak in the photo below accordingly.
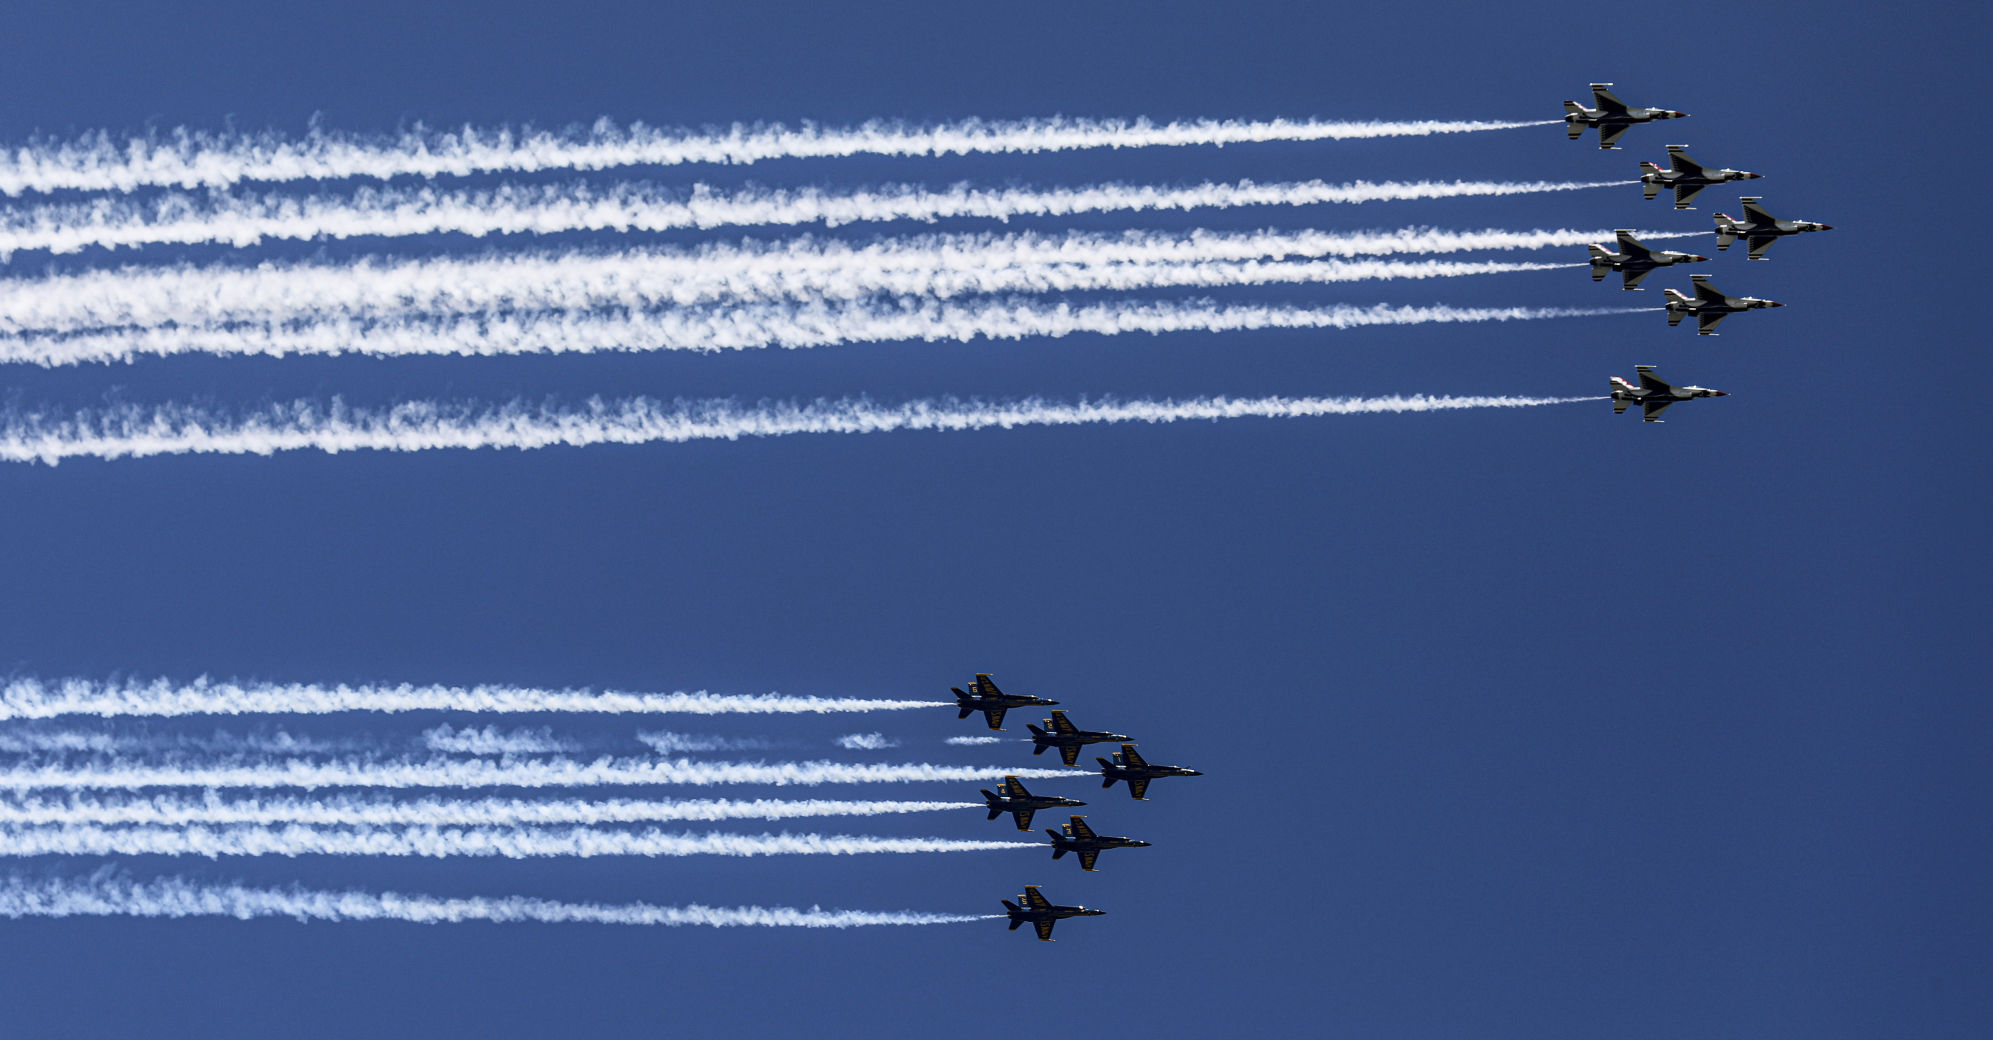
(356, 811)
(106, 895)
(449, 842)
(132, 432)
(191, 159)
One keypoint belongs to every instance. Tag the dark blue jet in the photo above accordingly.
(984, 696)
(1042, 913)
(1011, 797)
(1068, 738)
(1129, 766)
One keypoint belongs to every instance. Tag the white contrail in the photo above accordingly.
(800, 268)
(349, 810)
(483, 772)
(966, 741)
(132, 432)
(752, 326)
(191, 159)
(866, 742)
(665, 743)
(107, 894)
(494, 741)
(441, 842)
(550, 209)
(25, 698)
(100, 743)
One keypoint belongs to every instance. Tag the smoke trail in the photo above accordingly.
(801, 268)
(548, 209)
(131, 432)
(754, 326)
(866, 742)
(107, 894)
(484, 772)
(78, 742)
(348, 810)
(191, 159)
(494, 741)
(24, 698)
(674, 743)
(445, 842)
(967, 741)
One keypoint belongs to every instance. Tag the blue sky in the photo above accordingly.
(1531, 724)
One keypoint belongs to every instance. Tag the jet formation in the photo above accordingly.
(1634, 260)
(1075, 836)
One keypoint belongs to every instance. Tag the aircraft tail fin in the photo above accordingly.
(1618, 408)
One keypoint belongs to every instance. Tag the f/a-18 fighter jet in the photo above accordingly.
(1760, 229)
(1654, 393)
(1635, 261)
(984, 696)
(1011, 797)
(1068, 738)
(1710, 305)
(1042, 912)
(1686, 176)
(1612, 117)
(1077, 837)
(1129, 766)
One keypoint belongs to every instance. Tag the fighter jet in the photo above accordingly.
(1653, 393)
(1068, 738)
(1709, 305)
(1128, 765)
(1011, 797)
(992, 702)
(1077, 837)
(1042, 913)
(1686, 176)
(1612, 117)
(1759, 229)
(1635, 261)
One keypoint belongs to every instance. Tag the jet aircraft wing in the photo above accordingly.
(1034, 899)
(1759, 245)
(1610, 133)
(1654, 408)
(1061, 724)
(1078, 828)
(1633, 277)
(1707, 321)
(1044, 926)
(1139, 787)
(984, 687)
(1755, 213)
(1631, 246)
(1686, 193)
(994, 716)
(1070, 754)
(1024, 818)
(1603, 97)
(1131, 757)
(1706, 292)
(1088, 857)
(1651, 382)
(1680, 161)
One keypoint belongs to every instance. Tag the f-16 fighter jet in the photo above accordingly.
(1042, 913)
(1760, 229)
(1654, 393)
(1612, 117)
(1068, 738)
(1686, 176)
(1635, 261)
(1011, 797)
(1079, 838)
(984, 696)
(1710, 305)
(1128, 765)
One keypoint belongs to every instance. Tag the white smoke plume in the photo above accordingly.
(866, 742)
(970, 741)
(192, 159)
(132, 432)
(28, 698)
(107, 894)
(750, 326)
(447, 842)
(29, 741)
(242, 222)
(352, 810)
(480, 772)
(667, 743)
(806, 268)
(491, 740)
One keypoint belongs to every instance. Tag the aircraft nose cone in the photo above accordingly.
(1775, 303)
(1719, 393)
(1752, 176)
(1826, 227)
(1698, 257)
